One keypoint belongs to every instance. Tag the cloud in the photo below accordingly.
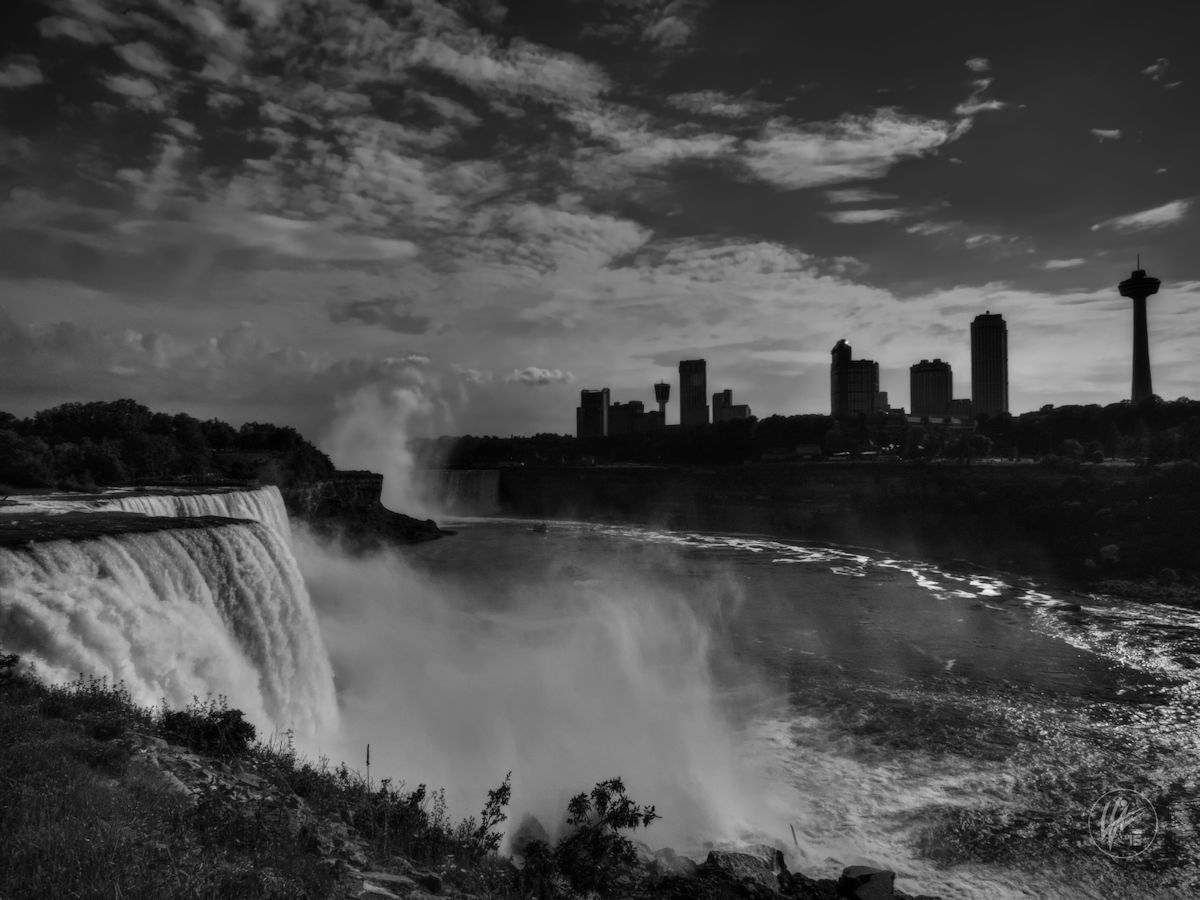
(385, 313)
(975, 104)
(139, 92)
(1167, 214)
(1157, 70)
(801, 155)
(304, 240)
(857, 195)
(518, 69)
(21, 71)
(719, 104)
(864, 216)
(535, 377)
(1107, 134)
(978, 64)
(472, 375)
(1063, 263)
(143, 57)
(927, 228)
(983, 240)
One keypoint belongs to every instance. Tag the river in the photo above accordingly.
(850, 706)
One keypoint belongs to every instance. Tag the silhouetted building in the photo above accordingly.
(693, 387)
(591, 416)
(989, 364)
(853, 383)
(1137, 287)
(881, 402)
(961, 407)
(724, 409)
(931, 385)
(662, 393)
(622, 416)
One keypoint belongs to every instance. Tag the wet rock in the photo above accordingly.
(742, 868)
(866, 883)
(399, 883)
(667, 862)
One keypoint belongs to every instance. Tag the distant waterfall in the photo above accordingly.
(464, 492)
(179, 612)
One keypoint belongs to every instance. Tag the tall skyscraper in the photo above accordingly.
(853, 383)
(989, 364)
(662, 393)
(1137, 287)
(693, 393)
(591, 416)
(931, 387)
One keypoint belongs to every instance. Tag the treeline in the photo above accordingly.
(81, 446)
(1152, 431)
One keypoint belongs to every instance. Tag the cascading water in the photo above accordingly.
(261, 504)
(177, 613)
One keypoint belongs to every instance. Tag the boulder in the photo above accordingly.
(743, 868)
(866, 883)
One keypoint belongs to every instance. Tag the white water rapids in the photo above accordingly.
(176, 613)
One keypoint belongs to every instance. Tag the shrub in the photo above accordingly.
(591, 855)
(208, 726)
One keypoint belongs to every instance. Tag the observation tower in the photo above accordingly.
(1137, 287)
(662, 393)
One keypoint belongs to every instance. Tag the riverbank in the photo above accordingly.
(105, 798)
(1094, 528)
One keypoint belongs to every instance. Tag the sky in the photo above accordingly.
(452, 217)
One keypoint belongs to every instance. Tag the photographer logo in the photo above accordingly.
(1123, 824)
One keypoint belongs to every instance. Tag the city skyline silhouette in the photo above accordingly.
(454, 222)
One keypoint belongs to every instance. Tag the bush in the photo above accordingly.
(590, 856)
(208, 726)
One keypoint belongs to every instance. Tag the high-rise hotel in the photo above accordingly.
(693, 393)
(989, 364)
(853, 383)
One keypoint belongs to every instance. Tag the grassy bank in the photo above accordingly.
(103, 798)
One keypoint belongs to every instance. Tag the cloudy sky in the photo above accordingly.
(454, 216)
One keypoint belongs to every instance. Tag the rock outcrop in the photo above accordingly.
(349, 506)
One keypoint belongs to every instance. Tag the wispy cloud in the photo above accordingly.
(384, 313)
(719, 104)
(1107, 134)
(799, 155)
(1063, 263)
(857, 195)
(1157, 70)
(20, 72)
(978, 64)
(927, 228)
(864, 216)
(1167, 214)
(537, 377)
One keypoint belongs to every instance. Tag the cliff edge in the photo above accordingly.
(349, 506)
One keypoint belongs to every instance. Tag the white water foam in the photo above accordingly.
(178, 613)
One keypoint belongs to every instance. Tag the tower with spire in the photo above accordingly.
(1137, 287)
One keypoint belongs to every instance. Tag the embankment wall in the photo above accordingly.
(1091, 522)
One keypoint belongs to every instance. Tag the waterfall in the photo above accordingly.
(466, 492)
(177, 613)
(261, 504)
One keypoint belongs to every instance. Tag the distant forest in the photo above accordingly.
(1153, 431)
(82, 446)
